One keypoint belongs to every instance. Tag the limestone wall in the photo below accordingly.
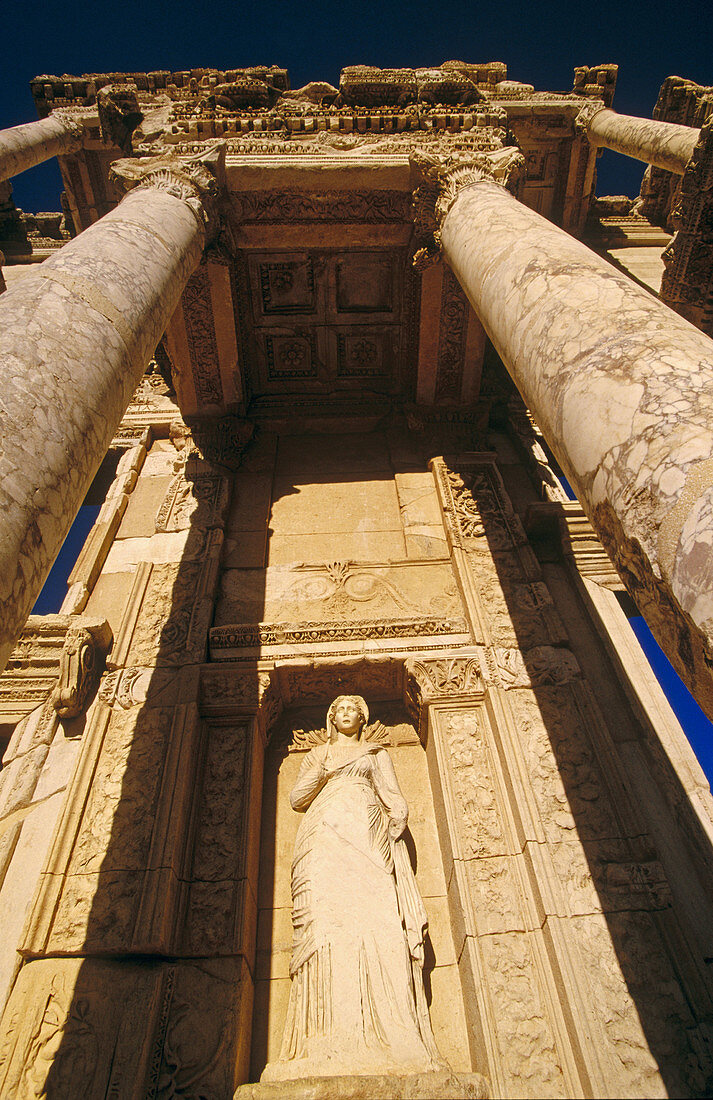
(560, 823)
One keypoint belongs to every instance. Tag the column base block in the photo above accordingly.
(414, 1086)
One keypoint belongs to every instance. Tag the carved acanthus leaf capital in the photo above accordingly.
(198, 181)
(436, 678)
(441, 179)
(73, 119)
(589, 108)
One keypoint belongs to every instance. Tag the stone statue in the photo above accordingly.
(357, 1004)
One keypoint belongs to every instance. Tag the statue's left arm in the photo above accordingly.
(387, 787)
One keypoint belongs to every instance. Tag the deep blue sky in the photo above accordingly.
(540, 42)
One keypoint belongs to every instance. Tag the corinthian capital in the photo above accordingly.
(589, 108)
(73, 119)
(198, 181)
(441, 179)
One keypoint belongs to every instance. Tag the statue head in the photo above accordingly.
(361, 707)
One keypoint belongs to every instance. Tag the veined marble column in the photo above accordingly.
(622, 389)
(23, 147)
(663, 144)
(75, 337)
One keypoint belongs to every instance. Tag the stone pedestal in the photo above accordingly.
(23, 147)
(76, 336)
(418, 1086)
(663, 144)
(621, 388)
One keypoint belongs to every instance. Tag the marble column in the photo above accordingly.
(622, 389)
(75, 337)
(663, 144)
(23, 147)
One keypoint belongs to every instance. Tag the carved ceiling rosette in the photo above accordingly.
(440, 179)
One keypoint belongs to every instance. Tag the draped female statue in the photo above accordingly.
(357, 1004)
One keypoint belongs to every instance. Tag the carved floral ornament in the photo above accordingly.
(198, 181)
(588, 110)
(441, 179)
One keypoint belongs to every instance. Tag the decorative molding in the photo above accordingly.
(687, 284)
(543, 665)
(475, 506)
(119, 114)
(219, 441)
(297, 207)
(587, 111)
(452, 338)
(198, 316)
(274, 634)
(193, 501)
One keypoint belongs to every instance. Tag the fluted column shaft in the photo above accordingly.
(663, 144)
(622, 389)
(75, 337)
(23, 147)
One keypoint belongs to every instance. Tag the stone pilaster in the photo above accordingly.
(23, 147)
(619, 385)
(76, 337)
(663, 144)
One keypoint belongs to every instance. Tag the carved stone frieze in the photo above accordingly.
(219, 441)
(315, 681)
(241, 691)
(475, 505)
(452, 339)
(199, 320)
(526, 1039)
(365, 85)
(587, 111)
(99, 1027)
(198, 501)
(266, 634)
(119, 114)
(296, 207)
(687, 284)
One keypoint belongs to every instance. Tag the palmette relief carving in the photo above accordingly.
(357, 1003)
